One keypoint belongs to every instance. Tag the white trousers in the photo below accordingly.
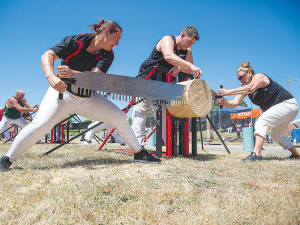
(5, 122)
(139, 117)
(276, 119)
(53, 110)
(89, 135)
(6, 134)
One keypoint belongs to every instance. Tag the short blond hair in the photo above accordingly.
(20, 92)
(246, 67)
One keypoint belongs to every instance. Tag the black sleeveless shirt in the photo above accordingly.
(270, 95)
(157, 58)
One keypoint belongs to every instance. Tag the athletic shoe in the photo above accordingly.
(293, 157)
(145, 156)
(252, 157)
(4, 163)
(87, 143)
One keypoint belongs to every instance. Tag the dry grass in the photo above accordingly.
(78, 185)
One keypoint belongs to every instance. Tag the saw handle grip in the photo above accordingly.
(60, 96)
(219, 96)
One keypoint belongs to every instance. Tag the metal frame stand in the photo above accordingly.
(183, 127)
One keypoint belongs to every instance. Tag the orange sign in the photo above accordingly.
(255, 113)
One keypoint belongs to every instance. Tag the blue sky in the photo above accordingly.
(265, 33)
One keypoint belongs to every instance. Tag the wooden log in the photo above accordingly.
(197, 100)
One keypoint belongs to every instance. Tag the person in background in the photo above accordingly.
(12, 113)
(279, 107)
(230, 127)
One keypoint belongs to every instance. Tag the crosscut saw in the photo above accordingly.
(125, 88)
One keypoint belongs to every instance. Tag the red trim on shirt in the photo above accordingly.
(80, 46)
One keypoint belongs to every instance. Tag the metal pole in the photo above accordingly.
(194, 136)
(159, 131)
(218, 134)
(289, 91)
(220, 118)
(201, 133)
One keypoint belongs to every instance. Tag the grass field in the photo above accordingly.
(76, 184)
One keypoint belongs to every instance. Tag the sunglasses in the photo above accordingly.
(241, 77)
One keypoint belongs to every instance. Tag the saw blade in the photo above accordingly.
(125, 88)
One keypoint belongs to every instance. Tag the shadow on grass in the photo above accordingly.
(205, 157)
(90, 163)
(87, 163)
(272, 158)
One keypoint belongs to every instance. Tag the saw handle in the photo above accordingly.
(60, 96)
(219, 96)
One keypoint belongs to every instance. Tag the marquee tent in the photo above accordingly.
(237, 109)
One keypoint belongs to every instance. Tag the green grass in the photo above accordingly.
(76, 184)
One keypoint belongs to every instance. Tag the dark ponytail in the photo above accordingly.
(103, 25)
